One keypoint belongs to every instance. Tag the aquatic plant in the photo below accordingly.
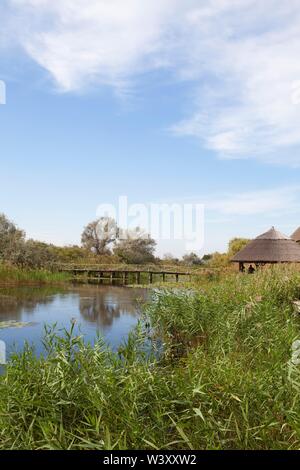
(10, 275)
(224, 379)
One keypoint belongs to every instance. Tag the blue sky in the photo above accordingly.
(179, 101)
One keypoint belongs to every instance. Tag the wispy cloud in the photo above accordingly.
(271, 202)
(247, 108)
(93, 41)
(222, 207)
(241, 57)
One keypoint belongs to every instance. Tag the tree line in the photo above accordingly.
(102, 241)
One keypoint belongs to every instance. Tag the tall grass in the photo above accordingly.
(223, 380)
(14, 275)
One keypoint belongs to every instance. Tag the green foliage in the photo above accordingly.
(99, 235)
(99, 238)
(236, 245)
(12, 240)
(219, 260)
(16, 250)
(136, 250)
(70, 254)
(15, 275)
(222, 380)
(191, 259)
(34, 255)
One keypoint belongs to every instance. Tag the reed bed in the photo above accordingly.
(207, 368)
(10, 275)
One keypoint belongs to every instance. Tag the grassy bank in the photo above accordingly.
(224, 380)
(10, 275)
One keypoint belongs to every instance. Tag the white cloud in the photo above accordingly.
(242, 57)
(94, 41)
(244, 213)
(253, 65)
(271, 202)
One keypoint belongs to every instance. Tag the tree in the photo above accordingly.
(136, 248)
(235, 245)
(36, 255)
(99, 235)
(219, 260)
(206, 258)
(170, 259)
(191, 259)
(12, 240)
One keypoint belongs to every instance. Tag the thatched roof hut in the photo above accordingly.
(270, 247)
(296, 235)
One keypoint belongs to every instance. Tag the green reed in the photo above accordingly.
(223, 379)
(16, 275)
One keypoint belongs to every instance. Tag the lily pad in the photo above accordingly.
(14, 324)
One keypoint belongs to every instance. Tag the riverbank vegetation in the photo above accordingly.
(102, 243)
(24, 260)
(15, 275)
(224, 378)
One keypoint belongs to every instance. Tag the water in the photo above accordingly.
(110, 311)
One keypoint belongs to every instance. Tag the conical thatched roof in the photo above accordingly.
(270, 247)
(296, 235)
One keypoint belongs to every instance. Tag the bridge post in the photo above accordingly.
(151, 278)
(177, 277)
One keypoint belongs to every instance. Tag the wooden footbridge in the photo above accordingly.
(126, 274)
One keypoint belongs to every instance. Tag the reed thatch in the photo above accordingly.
(296, 235)
(270, 247)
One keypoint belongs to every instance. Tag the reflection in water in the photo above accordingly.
(108, 304)
(13, 301)
(109, 310)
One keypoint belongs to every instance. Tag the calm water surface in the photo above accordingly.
(110, 311)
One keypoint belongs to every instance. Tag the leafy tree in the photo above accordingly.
(12, 240)
(206, 258)
(99, 235)
(191, 259)
(235, 245)
(36, 255)
(219, 260)
(136, 248)
(70, 254)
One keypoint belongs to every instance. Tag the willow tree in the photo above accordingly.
(99, 235)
